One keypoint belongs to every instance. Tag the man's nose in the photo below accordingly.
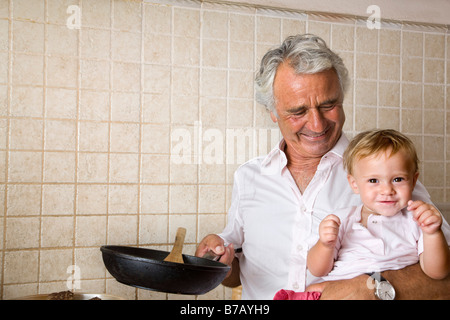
(316, 121)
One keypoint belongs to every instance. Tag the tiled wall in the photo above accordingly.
(101, 120)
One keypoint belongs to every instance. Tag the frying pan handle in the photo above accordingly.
(212, 256)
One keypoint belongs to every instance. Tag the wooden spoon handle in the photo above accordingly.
(176, 254)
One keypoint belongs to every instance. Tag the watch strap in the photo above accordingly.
(376, 276)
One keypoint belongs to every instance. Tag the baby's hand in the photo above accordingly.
(329, 230)
(427, 216)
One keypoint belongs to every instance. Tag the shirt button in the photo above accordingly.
(299, 247)
(295, 286)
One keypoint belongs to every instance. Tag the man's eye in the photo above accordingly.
(300, 113)
(373, 180)
(327, 107)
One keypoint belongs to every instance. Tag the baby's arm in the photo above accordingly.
(321, 257)
(435, 258)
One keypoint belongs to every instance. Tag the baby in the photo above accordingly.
(388, 231)
(382, 167)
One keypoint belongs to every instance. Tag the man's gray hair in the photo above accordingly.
(307, 54)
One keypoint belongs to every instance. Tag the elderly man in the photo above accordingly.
(279, 200)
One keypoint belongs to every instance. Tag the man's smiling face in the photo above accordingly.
(310, 112)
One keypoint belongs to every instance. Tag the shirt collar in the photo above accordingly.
(276, 160)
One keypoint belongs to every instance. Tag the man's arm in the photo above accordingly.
(233, 279)
(410, 283)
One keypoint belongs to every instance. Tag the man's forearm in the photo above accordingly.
(233, 280)
(411, 283)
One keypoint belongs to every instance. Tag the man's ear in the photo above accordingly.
(273, 117)
(352, 183)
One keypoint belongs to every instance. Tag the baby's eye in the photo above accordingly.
(398, 179)
(373, 180)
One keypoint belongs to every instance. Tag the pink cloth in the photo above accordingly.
(292, 295)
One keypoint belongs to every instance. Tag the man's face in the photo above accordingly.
(310, 112)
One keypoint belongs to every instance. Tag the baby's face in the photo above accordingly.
(385, 182)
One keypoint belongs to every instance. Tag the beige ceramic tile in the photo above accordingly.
(91, 266)
(123, 199)
(157, 18)
(94, 105)
(182, 198)
(343, 37)
(58, 199)
(390, 41)
(96, 13)
(22, 233)
(21, 266)
(215, 25)
(95, 44)
(411, 121)
(61, 103)
(239, 22)
(434, 71)
(412, 44)
(62, 40)
(433, 148)
(57, 231)
(127, 15)
(186, 22)
(27, 101)
(23, 199)
(122, 230)
(157, 49)
(29, 37)
(268, 29)
(25, 159)
(93, 122)
(59, 167)
(92, 167)
(92, 199)
(154, 199)
(90, 230)
(411, 96)
(29, 10)
(412, 69)
(124, 168)
(389, 68)
(54, 264)
(434, 46)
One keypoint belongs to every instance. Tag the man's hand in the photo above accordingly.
(214, 243)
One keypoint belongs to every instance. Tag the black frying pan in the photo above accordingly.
(146, 268)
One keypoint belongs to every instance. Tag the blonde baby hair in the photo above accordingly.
(372, 142)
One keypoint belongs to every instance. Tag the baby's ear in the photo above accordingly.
(416, 176)
(352, 183)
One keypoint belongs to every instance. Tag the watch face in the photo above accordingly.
(385, 291)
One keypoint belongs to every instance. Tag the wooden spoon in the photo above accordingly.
(176, 254)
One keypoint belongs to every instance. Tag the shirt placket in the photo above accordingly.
(299, 249)
(302, 227)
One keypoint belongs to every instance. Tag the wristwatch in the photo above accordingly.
(383, 288)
